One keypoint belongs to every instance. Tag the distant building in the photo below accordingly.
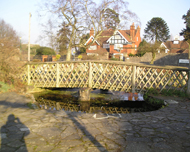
(175, 46)
(116, 43)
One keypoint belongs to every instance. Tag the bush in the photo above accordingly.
(140, 54)
(45, 51)
(130, 54)
(80, 57)
(58, 56)
(115, 59)
(4, 87)
(10, 64)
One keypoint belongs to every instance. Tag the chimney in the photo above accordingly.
(138, 28)
(92, 32)
(132, 31)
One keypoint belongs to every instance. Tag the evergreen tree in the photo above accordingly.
(111, 19)
(63, 36)
(82, 41)
(157, 30)
(45, 51)
(186, 32)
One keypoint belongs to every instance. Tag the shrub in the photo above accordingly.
(80, 57)
(10, 64)
(58, 56)
(45, 51)
(115, 59)
(130, 54)
(4, 87)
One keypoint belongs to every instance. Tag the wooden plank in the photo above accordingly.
(120, 63)
(133, 79)
(90, 75)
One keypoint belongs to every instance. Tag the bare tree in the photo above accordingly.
(81, 15)
(9, 53)
(49, 34)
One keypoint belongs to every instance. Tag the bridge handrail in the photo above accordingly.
(113, 75)
(180, 68)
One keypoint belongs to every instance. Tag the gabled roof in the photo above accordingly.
(181, 47)
(162, 44)
(123, 34)
(107, 34)
(90, 39)
(126, 34)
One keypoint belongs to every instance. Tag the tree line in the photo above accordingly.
(77, 17)
(157, 31)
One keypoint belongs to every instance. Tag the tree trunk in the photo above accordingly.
(153, 57)
(68, 57)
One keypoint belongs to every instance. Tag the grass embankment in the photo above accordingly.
(4, 87)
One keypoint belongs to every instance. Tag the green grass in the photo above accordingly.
(166, 92)
(29, 104)
(4, 87)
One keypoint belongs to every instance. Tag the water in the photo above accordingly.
(104, 101)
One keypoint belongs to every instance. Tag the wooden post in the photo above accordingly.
(57, 75)
(58, 107)
(28, 71)
(188, 83)
(133, 79)
(90, 75)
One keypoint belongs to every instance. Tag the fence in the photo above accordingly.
(108, 75)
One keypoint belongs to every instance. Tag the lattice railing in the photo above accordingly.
(118, 76)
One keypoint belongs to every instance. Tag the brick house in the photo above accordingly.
(175, 46)
(115, 43)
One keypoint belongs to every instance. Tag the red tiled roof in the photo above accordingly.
(182, 47)
(104, 36)
(126, 34)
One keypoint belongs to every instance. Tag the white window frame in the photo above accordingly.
(93, 47)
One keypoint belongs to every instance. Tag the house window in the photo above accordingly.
(93, 47)
(135, 47)
(106, 46)
(137, 38)
(176, 42)
(118, 46)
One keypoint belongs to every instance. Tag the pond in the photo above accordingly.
(104, 101)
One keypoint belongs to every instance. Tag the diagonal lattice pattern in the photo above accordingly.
(160, 79)
(111, 77)
(117, 76)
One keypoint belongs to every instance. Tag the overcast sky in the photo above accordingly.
(16, 13)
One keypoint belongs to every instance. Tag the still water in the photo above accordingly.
(104, 101)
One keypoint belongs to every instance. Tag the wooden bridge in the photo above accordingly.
(108, 75)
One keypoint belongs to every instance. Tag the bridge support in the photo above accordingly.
(84, 94)
(84, 105)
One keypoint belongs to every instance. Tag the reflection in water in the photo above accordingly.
(84, 105)
(110, 104)
(12, 135)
